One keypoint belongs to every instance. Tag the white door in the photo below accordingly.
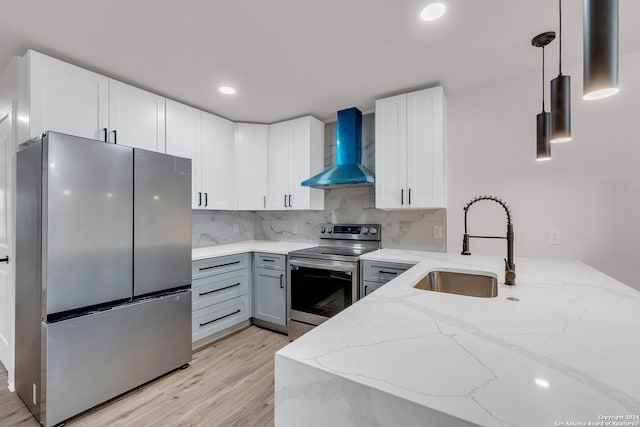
(7, 285)
(425, 149)
(391, 152)
(184, 136)
(279, 166)
(251, 166)
(136, 117)
(65, 98)
(218, 183)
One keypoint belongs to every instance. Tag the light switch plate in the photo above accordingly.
(555, 237)
(437, 232)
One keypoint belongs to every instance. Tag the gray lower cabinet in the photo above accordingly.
(220, 294)
(374, 274)
(270, 290)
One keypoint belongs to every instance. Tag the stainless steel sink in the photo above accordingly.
(462, 283)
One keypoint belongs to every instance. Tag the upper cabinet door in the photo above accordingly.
(391, 152)
(218, 186)
(426, 178)
(251, 166)
(307, 160)
(184, 137)
(67, 99)
(279, 162)
(136, 117)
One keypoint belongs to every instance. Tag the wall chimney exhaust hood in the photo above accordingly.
(348, 171)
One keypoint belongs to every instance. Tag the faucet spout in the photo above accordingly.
(509, 264)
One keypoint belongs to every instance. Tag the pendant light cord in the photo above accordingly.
(543, 79)
(560, 38)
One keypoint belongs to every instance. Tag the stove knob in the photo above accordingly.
(322, 229)
(373, 230)
(365, 230)
(329, 230)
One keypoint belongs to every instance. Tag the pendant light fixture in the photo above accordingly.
(600, 43)
(543, 120)
(560, 98)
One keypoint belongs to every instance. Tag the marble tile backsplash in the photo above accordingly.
(211, 228)
(400, 229)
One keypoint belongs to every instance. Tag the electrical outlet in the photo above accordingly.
(555, 237)
(235, 228)
(437, 232)
(294, 228)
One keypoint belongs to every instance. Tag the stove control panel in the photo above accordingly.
(350, 231)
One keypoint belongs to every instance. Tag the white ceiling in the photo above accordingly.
(293, 57)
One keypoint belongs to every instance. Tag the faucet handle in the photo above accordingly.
(509, 273)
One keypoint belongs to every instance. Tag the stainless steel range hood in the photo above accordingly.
(348, 170)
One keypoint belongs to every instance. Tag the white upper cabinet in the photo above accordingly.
(296, 152)
(252, 142)
(410, 151)
(136, 117)
(63, 98)
(218, 175)
(184, 139)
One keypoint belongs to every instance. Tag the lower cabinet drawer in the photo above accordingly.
(382, 271)
(222, 287)
(218, 265)
(217, 317)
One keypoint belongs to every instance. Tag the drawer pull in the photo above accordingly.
(218, 290)
(388, 272)
(219, 265)
(219, 318)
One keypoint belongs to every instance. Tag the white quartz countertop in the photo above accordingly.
(567, 351)
(248, 246)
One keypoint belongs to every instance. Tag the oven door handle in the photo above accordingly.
(333, 265)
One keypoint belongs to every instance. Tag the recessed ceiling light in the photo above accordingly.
(433, 12)
(227, 90)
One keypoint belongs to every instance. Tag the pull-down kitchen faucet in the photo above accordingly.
(509, 266)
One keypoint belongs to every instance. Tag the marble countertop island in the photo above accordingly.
(566, 352)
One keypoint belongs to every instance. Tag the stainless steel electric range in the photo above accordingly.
(324, 280)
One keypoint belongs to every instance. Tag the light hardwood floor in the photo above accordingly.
(229, 383)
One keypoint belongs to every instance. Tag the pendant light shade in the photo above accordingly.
(543, 131)
(600, 40)
(543, 120)
(560, 98)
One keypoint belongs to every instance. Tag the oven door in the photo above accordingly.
(319, 289)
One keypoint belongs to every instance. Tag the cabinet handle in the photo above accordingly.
(264, 201)
(402, 196)
(5, 259)
(219, 318)
(285, 200)
(394, 273)
(218, 290)
(199, 198)
(290, 200)
(219, 265)
(105, 134)
(409, 196)
(365, 290)
(115, 136)
(281, 281)
(206, 199)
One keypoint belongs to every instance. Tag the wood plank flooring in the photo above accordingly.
(229, 383)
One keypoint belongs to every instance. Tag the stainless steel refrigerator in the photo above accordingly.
(103, 271)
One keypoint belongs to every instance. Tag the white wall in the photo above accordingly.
(590, 191)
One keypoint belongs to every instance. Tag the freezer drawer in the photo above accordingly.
(93, 358)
